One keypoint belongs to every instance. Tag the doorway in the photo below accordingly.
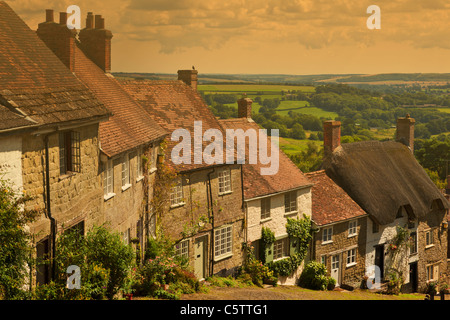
(379, 258)
(335, 268)
(199, 256)
(413, 277)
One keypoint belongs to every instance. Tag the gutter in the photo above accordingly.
(210, 209)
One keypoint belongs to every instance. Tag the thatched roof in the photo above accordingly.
(383, 177)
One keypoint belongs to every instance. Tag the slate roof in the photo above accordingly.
(330, 203)
(383, 177)
(36, 88)
(174, 105)
(130, 125)
(288, 177)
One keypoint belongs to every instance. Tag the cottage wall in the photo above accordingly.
(10, 161)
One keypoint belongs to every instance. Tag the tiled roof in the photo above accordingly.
(174, 105)
(288, 177)
(35, 86)
(130, 125)
(330, 203)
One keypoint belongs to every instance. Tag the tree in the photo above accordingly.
(15, 242)
(297, 132)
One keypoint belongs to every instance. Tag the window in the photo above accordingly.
(223, 241)
(375, 227)
(108, 179)
(323, 260)
(352, 231)
(176, 194)
(290, 202)
(139, 167)
(182, 249)
(126, 172)
(265, 208)
(351, 257)
(126, 236)
(224, 181)
(433, 272)
(429, 237)
(69, 152)
(326, 234)
(154, 159)
(280, 248)
(413, 243)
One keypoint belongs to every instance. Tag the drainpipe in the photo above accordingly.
(49, 211)
(210, 210)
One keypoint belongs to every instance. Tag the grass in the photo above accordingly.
(303, 107)
(294, 146)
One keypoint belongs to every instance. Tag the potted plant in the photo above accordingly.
(431, 289)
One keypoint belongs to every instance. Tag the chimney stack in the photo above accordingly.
(95, 41)
(189, 77)
(405, 131)
(58, 37)
(331, 136)
(245, 108)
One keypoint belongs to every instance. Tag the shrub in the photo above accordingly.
(314, 276)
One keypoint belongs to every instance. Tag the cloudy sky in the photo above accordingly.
(266, 36)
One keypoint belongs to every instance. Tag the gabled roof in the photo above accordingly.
(288, 177)
(130, 125)
(174, 105)
(383, 177)
(35, 86)
(330, 203)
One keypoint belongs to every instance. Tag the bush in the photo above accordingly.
(314, 276)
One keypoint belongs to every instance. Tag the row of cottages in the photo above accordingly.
(70, 136)
(367, 190)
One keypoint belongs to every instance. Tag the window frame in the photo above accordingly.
(125, 172)
(351, 257)
(328, 236)
(224, 181)
(223, 242)
(413, 246)
(69, 152)
(352, 229)
(139, 166)
(266, 205)
(281, 248)
(177, 194)
(290, 200)
(108, 173)
(429, 238)
(183, 250)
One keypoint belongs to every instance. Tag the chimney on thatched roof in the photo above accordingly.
(331, 136)
(405, 131)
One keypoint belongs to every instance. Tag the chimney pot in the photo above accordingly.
(49, 17)
(90, 20)
(331, 136)
(63, 18)
(98, 22)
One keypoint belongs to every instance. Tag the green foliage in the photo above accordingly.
(314, 276)
(267, 236)
(257, 272)
(14, 242)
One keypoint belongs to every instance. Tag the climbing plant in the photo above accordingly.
(397, 253)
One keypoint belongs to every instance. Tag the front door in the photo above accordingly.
(335, 268)
(199, 260)
(413, 276)
(379, 258)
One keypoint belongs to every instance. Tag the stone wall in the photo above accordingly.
(11, 161)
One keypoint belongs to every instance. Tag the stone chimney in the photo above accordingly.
(189, 77)
(245, 108)
(331, 136)
(59, 38)
(95, 41)
(405, 131)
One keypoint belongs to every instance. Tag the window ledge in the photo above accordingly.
(429, 246)
(177, 205)
(225, 193)
(265, 220)
(108, 196)
(66, 175)
(153, 170)
(126, 187)
(351, 264)
(352, 235)
(291, 213)
(327, 242)
(139, 178)
(225, 256)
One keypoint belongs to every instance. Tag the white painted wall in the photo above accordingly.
(11, 161)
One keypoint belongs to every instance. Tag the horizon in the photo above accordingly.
(287, 37)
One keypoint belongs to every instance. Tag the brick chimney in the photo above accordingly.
(59, 38)
(331, 136)
(405, 131)
(245, 108)
(189, 77)
(95, 41)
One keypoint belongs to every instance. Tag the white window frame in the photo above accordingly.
(224, 180)
(351, 257)
(281, 248)
(432, 272)
(182, 249)
(429, 238)
(154, 159)
(108, 180)
(352, 228)
(265, 208)
(125, 166)
(327, 235)
(223, 242)
(139, 167)
(176, 194)
(290, 197)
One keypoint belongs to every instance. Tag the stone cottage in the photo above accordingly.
(270, 199)
(387, 182)
(128, 137)
(339, 241)
(204, 212)
(48, 135)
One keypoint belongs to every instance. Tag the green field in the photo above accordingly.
(251, 89)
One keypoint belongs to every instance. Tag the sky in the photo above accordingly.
(266, 36)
